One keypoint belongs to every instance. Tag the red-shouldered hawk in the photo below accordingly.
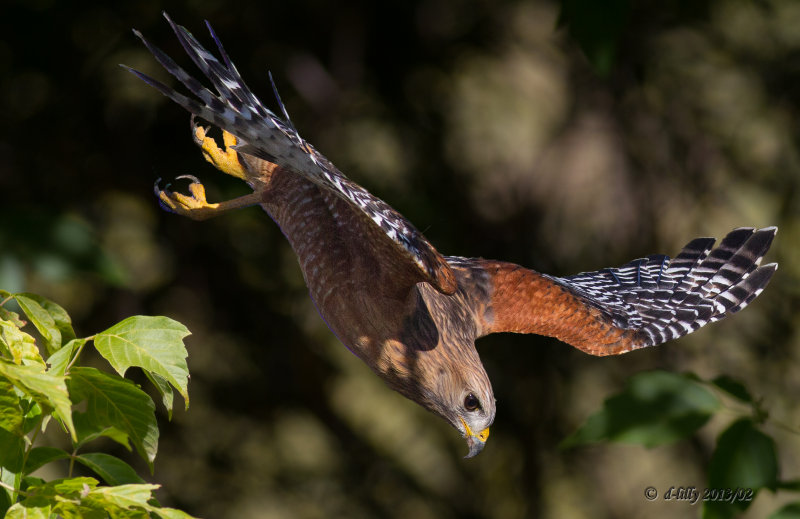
(412, 314)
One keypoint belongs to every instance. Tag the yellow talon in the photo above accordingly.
(226, 161)
(195, 206)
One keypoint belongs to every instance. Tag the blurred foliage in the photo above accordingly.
(655, 408)
(659, 407)
(486, 124)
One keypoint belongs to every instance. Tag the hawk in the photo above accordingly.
(410, 313)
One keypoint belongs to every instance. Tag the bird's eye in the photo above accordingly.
(471, 402)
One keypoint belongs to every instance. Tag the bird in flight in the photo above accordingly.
(410, 313)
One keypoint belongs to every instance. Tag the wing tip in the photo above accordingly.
(167, 17)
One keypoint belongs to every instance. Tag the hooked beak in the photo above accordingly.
(475, 442)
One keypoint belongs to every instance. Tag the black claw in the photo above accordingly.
(193, 178)
(157, 190)
(167, 189)
(193, 124)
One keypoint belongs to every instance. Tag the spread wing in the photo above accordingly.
(643, 303)
(263, 134)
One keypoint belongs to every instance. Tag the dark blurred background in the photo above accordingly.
(499, 132)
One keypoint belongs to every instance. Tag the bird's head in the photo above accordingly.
(472, 415)
(462, 395)
(448, 381)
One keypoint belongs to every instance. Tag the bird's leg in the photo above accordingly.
(195, 206)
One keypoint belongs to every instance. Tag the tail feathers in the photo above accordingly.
(665, 299)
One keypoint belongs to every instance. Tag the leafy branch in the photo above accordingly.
(43, 382)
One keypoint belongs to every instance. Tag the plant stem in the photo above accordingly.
(14, 490)
(72, 461)
(781, 425)
(748, 408)
(30, 446)
(77, 353)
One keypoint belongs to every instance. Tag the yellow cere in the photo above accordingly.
(482, 436)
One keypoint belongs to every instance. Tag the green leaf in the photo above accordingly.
(171, 513)
(83, 498)
(60, 316)
(31, 481)
(154, 344)
(113, 470)
(743, 459)
(123, 496)
(733, 387)
(655, 408)
(790, 511)
(12, 451)
(40, 456)
(72, 487)
(33, 414)
(42, 320)
(130, 513)
(113, 402)
(61, 328)
(11, 414)
(5, 501)
(60, 360)
(164, 389)
(71, 510)
(12, 317)
(30, 509)
(89, 430)
(20, 346)
(10, 479)
(48, 390)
